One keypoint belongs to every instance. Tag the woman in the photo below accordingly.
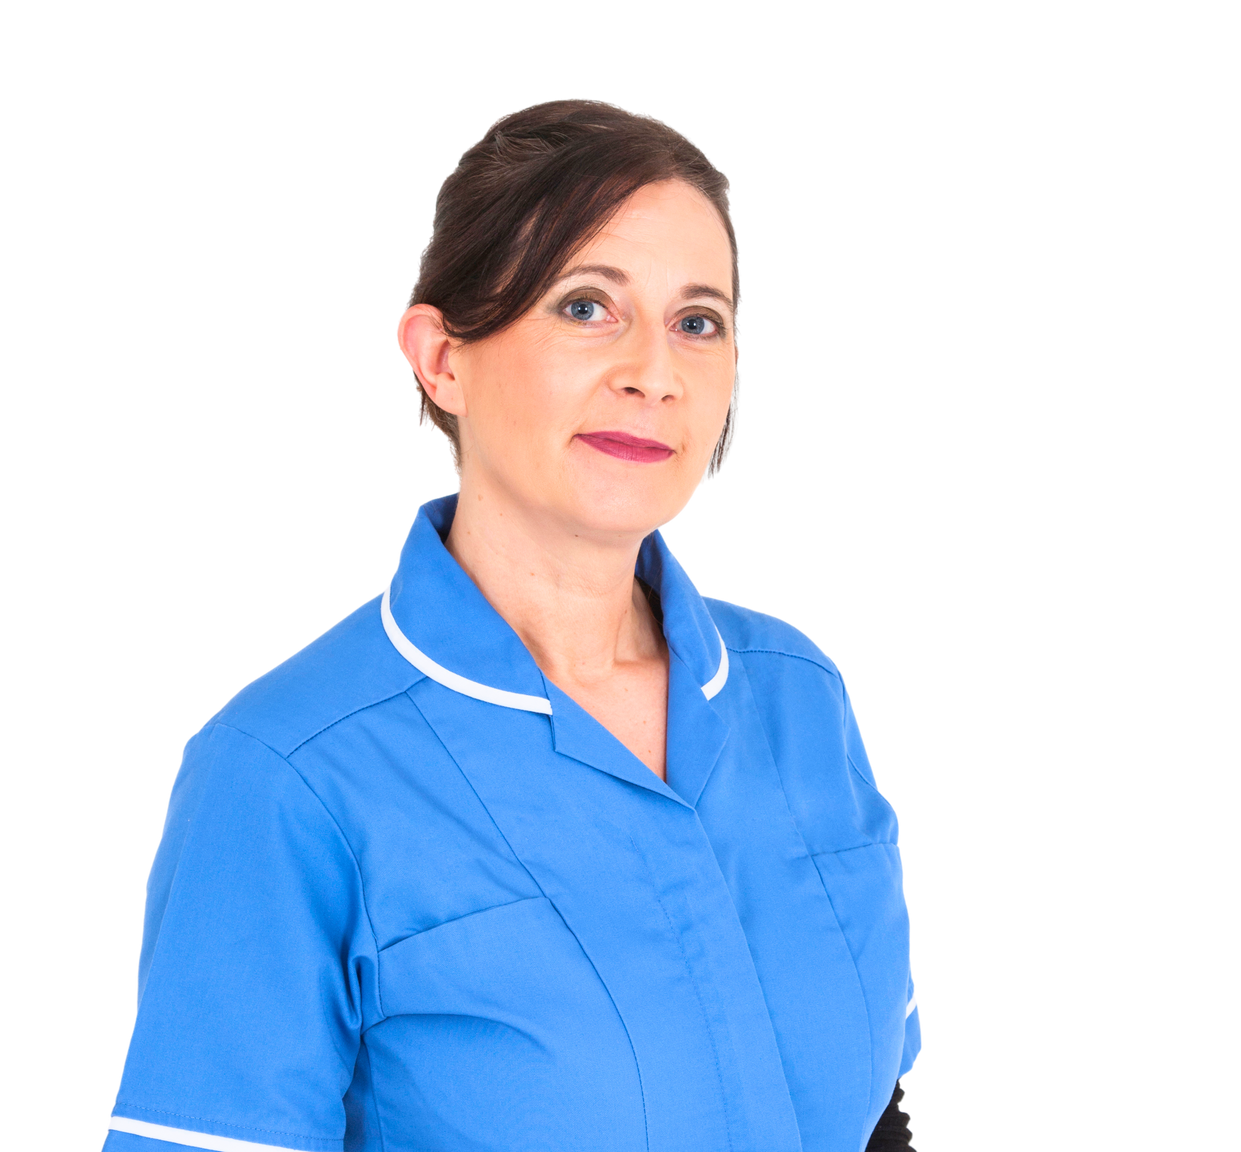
(540, 850)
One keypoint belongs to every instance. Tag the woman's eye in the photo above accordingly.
(586, 310)
(697, 326)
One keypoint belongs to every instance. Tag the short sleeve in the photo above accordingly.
(257, 969)
(913, 1034)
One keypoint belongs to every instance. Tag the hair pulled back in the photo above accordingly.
(536, 188)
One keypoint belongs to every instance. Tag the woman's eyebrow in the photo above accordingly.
(691, 290)
(621, 277)
(616, 275)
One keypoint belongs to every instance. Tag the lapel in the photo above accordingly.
(579, 736)
(622, 855)
(443, 625)
(696, 734)
(695, 737)
(627, 865)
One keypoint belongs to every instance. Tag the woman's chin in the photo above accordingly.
(594, 494)
(625, 505)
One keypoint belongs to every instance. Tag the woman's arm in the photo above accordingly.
(257, 965)
(892, 1133)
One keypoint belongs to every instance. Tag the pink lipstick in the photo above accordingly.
(626, 447)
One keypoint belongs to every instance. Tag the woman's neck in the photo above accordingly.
(571, 597)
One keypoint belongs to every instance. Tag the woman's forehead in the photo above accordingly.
(670, 209)
(667, 226)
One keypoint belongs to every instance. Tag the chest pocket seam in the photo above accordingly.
(457, 919)
(827, 895)
(550, 904)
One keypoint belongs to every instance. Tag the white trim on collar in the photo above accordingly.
(712, 686)
(442, 675)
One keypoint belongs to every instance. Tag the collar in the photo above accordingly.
(442, 624)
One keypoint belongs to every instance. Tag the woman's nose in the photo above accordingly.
(647, 366)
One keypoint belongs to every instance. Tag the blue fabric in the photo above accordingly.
(387, 916)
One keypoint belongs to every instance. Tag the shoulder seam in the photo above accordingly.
(339, 719)
(791, 655)
(370, 924)
(814, 656)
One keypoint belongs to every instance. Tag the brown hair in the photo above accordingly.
(538, 186)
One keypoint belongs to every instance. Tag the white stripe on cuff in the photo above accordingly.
(186, 1137)
(909, 1008)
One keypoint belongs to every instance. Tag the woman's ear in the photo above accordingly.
(427, 346)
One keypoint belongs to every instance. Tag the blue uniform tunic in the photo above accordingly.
(410, 896)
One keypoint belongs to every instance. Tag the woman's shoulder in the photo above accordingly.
(795, 686)
(808, 721)
(749, 633)
(350, 668)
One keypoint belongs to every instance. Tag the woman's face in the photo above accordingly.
(602, 405)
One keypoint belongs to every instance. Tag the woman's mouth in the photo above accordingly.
(626, 447)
